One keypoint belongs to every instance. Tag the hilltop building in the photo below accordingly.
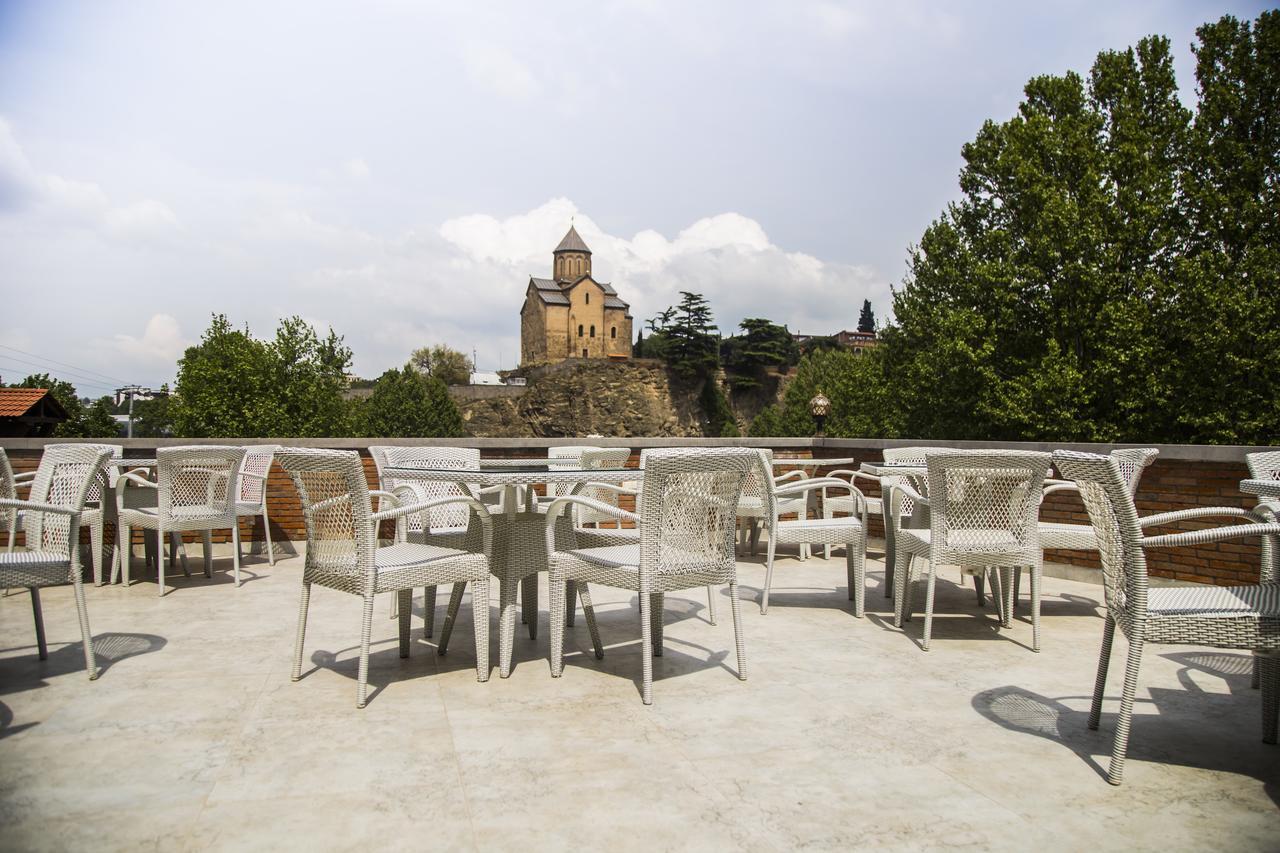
(571, 315)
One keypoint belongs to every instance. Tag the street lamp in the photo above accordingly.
(820, 407)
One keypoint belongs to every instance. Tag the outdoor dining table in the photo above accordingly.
(519, 531)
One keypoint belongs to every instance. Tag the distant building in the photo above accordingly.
(571, 315)
(859, 342)
(29, 412)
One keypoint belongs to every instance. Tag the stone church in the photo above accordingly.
(571, 315)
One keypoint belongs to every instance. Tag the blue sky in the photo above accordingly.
(398, 169)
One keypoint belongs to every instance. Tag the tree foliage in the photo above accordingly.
(450, 366)
(862, 401)
(408, 404)
(867, 317)
(1110, 270)
(234, 385)
(763, 344)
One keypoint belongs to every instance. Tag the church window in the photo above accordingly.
(613, 331)
(588, 295)
(593, 331)
(579, 330)
(584, 353)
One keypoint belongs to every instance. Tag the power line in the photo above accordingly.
(114, 379)
(56, 374)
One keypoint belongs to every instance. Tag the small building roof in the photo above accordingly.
(16, 402)
(572, 243)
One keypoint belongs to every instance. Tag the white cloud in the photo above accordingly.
(356, 168)
(495, 68)
(161, 343)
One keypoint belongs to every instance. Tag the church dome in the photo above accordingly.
(572, 243)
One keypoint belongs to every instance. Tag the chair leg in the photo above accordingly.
(855, 558)
(902, 588)
(1010, 595)
(95, 537)
(160, 558)
(302, 631)
(979, 581)
(589, 612)
(86, 636)
(928, 604)
(711, 603)
(480, 625)
(755, 535)
(570, 603)
(406, 610)
(646, 646)
(451, 616)
(740, 646)
(1269, 665)
(41, 647)
(506, 624)
(429, 610)
(123, 554)
(768, 574)
(235, 551)
(266, 532)
(1121, 746)
(366, 632)
(206, 537)
(1035, 607)
(1104, 661)
(556, 595)
(529, 604)
(655, 614)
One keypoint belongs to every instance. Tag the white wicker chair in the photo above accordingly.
(983, 506)
(53, 521)
(343, 553)
(1080, 537)
(687, 521)
(848, 531)
(753, 513)
(873, 505)
(1241, 617)
(252, 500)
(196, 488)
(444, 524)
(10, 518)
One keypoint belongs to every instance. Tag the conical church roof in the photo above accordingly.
(572, 243)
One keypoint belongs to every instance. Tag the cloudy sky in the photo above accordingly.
(397, 169)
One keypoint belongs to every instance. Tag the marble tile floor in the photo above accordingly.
(846, 735)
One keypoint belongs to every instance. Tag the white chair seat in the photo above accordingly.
(1215, 601)
(611, 556)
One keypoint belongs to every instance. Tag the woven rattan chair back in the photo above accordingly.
(257, 460)
(337, 510)
(198, 485)
(450, 517)
(1133, 462)
(985, 503)
(907, 456)
(65, 477)
(602, 458)
(688, 509)
(7, 489)
(1264, 465)
(1105, 493)
(758, 485)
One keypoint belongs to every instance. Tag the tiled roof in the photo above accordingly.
(614, 302)
(544, 283)
(572, 243)
(16, 402)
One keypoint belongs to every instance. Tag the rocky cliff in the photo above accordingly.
(597, 397)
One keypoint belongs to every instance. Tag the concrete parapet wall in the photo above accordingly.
(1182, 477)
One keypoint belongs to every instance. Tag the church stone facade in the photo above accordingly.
(571, 315)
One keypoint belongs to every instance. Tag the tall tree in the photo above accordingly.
(407, 404)
(867, 318)
(763, 344)
(450, 366)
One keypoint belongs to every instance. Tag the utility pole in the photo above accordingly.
(131, 391)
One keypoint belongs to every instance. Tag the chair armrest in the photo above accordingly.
(790, 475)
(795, 490)
(558, 506)
(423, 506)
(1060, 486)
(613, 487)
(1212, 534)
(33, 506)
(1163, 518)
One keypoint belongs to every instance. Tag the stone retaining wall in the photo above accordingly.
(1182, 477)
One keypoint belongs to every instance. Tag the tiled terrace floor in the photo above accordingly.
(846, 734)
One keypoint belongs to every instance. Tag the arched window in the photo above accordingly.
(588, 295)
(593, 331)
(579, 330)
(613, 331)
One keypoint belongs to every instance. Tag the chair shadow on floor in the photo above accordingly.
(1176, 734)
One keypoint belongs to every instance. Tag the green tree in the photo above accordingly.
(449, 365)
(233, 385)
(763, 344)
(152, 418)
(84, 421)
(866, 319)
(863, 403)
(407, 404)
(693, 343)
(720, 422)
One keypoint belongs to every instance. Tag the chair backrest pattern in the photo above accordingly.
(688, 509)
(1264, 465)
(447, 458)
(64, 478)
(1105, 493)
(341, 539)
(198, 484)
(986, 502)
(257, 460)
